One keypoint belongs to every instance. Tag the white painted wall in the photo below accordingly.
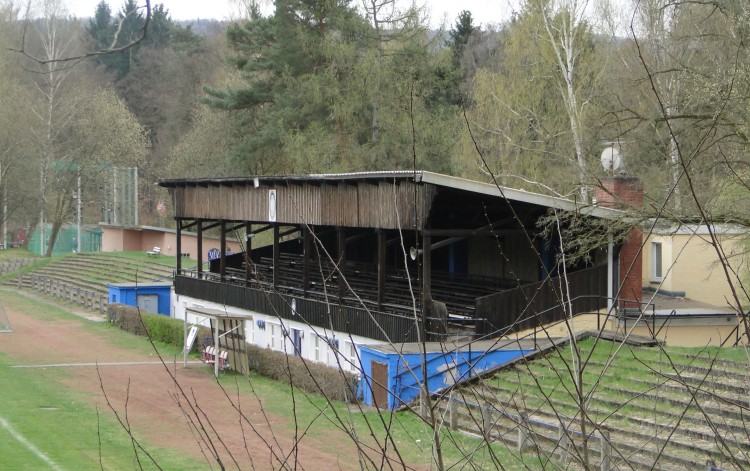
(317, 342)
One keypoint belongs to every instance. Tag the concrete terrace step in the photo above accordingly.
(546, 441)
(734, 382)
(83, 278)
(683, 446)
(123, 266)
(88, 271)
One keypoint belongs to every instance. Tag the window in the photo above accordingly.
(316, 347)
(273, 334)
(351, 351)
(251, 337)
(656, 261)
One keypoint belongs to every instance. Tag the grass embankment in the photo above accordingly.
(131, 262)
(633, 374)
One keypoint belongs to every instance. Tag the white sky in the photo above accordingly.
(484, 11)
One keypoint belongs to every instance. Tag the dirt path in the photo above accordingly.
(153, 408)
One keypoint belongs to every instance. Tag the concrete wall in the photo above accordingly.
(689, 264)
(145, 238)
(686, 332)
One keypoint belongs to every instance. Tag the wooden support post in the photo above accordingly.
(199, 230)
(306, 256)
(426, 270)
(452, 411)
(606, 451)
(248, 253)
(215, 323)
(486, 419)
(223, 245)
(245, 362)
(341, 237)
(563, 443)
(381, 267)
(522, 431)
(178, 245)
(276, 256)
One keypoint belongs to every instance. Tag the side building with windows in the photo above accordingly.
(682, 262)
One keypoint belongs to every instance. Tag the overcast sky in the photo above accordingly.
(484, 11)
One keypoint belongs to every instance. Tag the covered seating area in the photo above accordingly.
(379, 251)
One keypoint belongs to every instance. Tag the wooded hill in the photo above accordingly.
(349, 86)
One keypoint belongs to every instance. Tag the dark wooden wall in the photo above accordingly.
(351, 204)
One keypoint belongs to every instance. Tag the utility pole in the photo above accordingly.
(78, 238)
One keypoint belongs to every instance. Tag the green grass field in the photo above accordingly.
(44, 426)
(72, 434)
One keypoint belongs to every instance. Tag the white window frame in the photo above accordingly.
(351, 351)
(315, 346)
(657, 261)
(252, 332)
(272, 334)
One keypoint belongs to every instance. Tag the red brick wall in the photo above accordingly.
(626, 192)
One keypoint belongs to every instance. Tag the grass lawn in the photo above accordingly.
(64, 427)
(54, 429)
(411, 437)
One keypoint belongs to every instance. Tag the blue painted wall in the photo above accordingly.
(443, 369)
(128, 295)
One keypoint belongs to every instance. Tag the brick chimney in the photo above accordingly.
(626, 192)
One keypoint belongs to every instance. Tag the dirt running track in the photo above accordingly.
(153, 412)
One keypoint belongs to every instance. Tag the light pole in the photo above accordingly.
(79, 204)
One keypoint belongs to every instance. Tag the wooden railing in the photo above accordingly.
(357, 321)
(542, 302)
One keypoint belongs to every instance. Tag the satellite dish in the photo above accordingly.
(611, 159)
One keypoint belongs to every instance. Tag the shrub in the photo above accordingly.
(161, 328)
(303, 374)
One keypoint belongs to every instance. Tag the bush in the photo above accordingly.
(161, 328)
(303, 374)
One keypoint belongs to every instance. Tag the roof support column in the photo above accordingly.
(223, 244)
(276, 254)
(381, 267)
(248, 252)
(426, 272)
(199, 230)
(178, 245)
(215, 324)
(341, 242)
(306, 255)
(610, 276)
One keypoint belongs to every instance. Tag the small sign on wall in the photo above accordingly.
(271, 205)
